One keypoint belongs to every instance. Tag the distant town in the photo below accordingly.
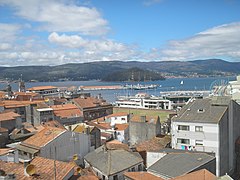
(47, 132)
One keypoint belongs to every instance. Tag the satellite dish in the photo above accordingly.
(75, 157)
(30, 169)
(79, 170)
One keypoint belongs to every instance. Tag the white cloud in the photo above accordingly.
(220, 41)
(8, 32)
(61, 16)
(76, 41)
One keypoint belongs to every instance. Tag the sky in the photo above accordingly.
(53, 32)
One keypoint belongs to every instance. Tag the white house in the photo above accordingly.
(111, 164)
(209, 125)
(55, 143)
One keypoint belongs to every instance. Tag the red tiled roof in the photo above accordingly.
(115, 144)
(15, 104)
(149, 119)
(154, 144)
(44, 169)
(4, 151)
(66, 110)
(6, 116)
(202, 174)
(43, 137)
(121, 127)
(3, 129)
(41, 88)
(88, 102)
(141, 175)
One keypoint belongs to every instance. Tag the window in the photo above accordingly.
(139, 167)
(183, 128)
(103, 177)
(183, 141)
(198, 128)
(123, 119)
(199, 142)
(133, 169)
(115, 177)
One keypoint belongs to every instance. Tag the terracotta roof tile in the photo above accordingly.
(115, 144)
(4, 151)
(202, 174)
(8, 116)
(36, 88)
(3, 129)
(88, 102)
(149, 119)
(154, 144)
(141, 175)
(15, 104)
(66, 110)
(43, 137)
(121, 127)
(44, 169)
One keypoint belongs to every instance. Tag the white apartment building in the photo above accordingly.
(144, 101)
(209, 125)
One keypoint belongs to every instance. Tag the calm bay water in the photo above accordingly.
(110, 95)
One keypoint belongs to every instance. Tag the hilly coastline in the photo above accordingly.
(122, 70)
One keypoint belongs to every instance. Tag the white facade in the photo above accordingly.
(66, 145)
(196, 137)
(143, 101)
(117, 119)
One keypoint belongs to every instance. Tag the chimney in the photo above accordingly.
(143, 119)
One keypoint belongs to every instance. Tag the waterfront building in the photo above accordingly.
(209, 125)
(44, 90)
(144, 101)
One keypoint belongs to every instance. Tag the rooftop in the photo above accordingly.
(6, 116)
(16, 104)
(44, 169)
(154, 144)
(43, 137)
(202, 174)
(66, 110)
(112, 161)
(147, 119)
(38, 88)
(176, 164)
(88, 102)
(201, 110)
(141, 175)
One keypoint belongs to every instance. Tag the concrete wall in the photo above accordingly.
(66, 145)
(142, 131)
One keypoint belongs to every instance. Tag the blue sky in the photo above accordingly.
(51, 32)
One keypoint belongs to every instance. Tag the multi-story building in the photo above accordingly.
(45, 90)
(209, 125)
(144, 101)
(92, 107)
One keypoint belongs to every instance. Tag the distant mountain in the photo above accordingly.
(133, 74)
(101, 70)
